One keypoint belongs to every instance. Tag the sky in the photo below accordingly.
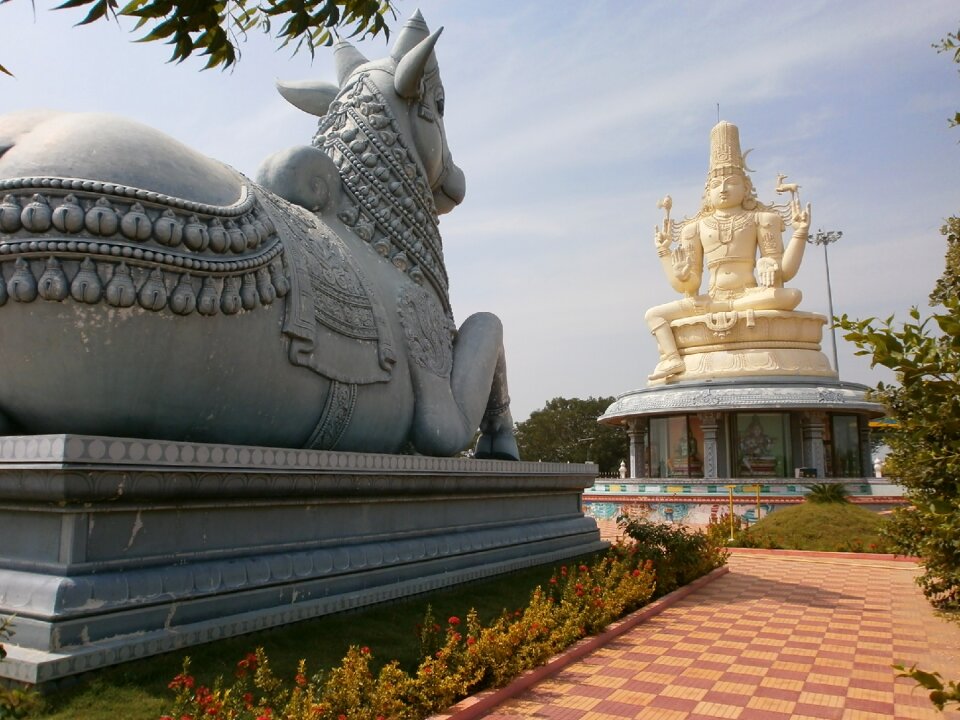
(571, 120)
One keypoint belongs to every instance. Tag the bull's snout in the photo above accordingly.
(453, 188)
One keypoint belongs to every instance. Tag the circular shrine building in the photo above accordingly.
(751, 429)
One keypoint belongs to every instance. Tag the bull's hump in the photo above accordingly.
(111, 149)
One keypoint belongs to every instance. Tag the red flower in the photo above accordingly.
(248, 663)
(364, 650)
(471, 640)
(563, 570)
(584, 568)
(454, 620)
(301, 679)
(636, 572)
(181, 680)
(553, 581)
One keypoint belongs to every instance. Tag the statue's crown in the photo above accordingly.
(725, 155)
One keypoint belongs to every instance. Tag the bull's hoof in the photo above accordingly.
(497, 446)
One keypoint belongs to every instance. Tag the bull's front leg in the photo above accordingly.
(472, 393)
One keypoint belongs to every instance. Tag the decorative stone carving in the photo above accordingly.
(428, 331)
(637, 432)
(311, 307)
(743, 324)
(72, 234)
(813, 425)
(711, 457)
(744, 394)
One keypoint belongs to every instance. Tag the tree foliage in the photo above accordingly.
(925, 447)
(951, 44)
(566, 430)
(213, 28)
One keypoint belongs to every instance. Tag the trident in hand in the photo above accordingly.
(666, 204)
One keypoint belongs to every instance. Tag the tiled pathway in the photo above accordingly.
(778, 637)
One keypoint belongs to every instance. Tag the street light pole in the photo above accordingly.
(825, 238)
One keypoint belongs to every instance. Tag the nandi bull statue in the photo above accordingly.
(149, 291)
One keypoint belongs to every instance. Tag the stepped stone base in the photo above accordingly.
(750, 343)
(113, 549)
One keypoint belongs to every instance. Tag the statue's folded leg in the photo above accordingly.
(450, 407)
(670, 361)
(496, 428)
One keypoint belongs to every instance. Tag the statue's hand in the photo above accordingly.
(801, 218)
(681, 263)
(767, 269)
(662, 239)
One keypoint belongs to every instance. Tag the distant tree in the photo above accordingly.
(214, 27)
(566, 430)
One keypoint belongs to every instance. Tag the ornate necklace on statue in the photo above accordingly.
(727, 227)
(389, 203)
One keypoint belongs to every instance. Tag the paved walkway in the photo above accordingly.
(777, 637)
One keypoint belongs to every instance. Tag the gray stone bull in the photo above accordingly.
(149, 291)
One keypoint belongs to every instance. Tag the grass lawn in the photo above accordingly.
(138, 690)
(821, 526)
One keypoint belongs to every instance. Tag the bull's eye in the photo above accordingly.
(439, 101)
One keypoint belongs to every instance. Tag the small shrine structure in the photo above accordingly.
(742, 396)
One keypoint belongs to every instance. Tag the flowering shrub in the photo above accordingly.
(458, 659)
(678, 554)
(14, 702)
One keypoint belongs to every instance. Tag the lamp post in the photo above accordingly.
(825, 237)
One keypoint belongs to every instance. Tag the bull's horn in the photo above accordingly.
(413, 32)
(411, 67)
(347, 59)
(311, 96)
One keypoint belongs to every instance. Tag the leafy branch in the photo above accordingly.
(951, 43)
(214, 28)
(941, 693)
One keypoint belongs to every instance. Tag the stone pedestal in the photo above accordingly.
(112, 549)
(750, 343)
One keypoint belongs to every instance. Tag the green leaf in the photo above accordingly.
(73, 4)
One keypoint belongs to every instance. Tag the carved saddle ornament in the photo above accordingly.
(172, 228)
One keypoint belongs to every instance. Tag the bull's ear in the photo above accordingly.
(411, 66)
(346, 58)
(311, 96)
